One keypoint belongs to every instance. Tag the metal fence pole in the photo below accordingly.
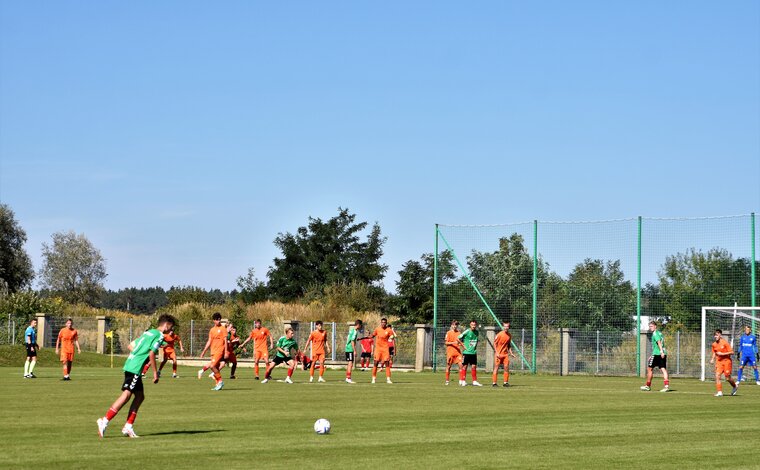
(130, 330)
(14, 332)
(333, 341)
(678, 352)
(191, 338)
(597, 351)
(522, 348)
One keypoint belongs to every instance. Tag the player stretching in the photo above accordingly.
(143, 348)
(284, 346)
(454, 352)
(470, 340)
(170, 339)
(721, 357)
(217, 341)
(366, 356)
(503, 349)
(659, 359)
(382, 350)
(259, 336)
(318, 341)
(67, 338)
(747, 354)
(30, 340)
(353, 333)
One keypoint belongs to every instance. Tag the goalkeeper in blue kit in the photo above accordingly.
(748, 353)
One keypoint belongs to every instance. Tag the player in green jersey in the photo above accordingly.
(144, 347)
(658, 359)
(284, 345)
(353, 334)
(470, 352)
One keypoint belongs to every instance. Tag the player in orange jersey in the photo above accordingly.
(382, 350)
(319, 349)
(67, 338)
(217, 342)
(502, 345)
(259, 336)
(170, 339)
(721, 357)
(453, 351)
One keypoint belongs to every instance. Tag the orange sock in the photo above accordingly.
(448, 375)
(495, 374)
(218, 377)
(65, 371)
(321, 370)
(257, 369)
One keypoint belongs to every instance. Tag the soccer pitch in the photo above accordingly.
(417, 422)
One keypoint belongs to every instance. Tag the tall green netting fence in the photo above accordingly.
(579, 295)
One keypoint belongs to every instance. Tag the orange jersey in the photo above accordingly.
(722, 346)
(382, 336)
(218, 337)
(259, 336)
(318, 340)
(67, 337)
(501, 343)
(456, 349)
(170, 339)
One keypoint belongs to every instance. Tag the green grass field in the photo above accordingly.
(540, 422)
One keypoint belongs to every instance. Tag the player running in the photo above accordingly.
(470, 340)
(747, 354)
(259, 336)
(217, 341)
(658, 359)
(382, 350)
(502, 344)
(170, 338)
(67, 338)
(143, 348)
(721, 357)
(353, 333)
(318, 341)
(454, 351)
(30, 341)
(285, 345)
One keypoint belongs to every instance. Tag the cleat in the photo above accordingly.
(321, 380)
(311, 379)
(734, 390)
(257, 377)
(200, 374)
(719, 394)
(218, 386)
(665, 389)
(505, 384)
(388, 380)
(645, 388)
(232, 377)
(211, 375)
(175, 376)
(373, 380)
(349, 381)
(288, 381)
(32, 376)
(102, 425)
(758, 382)
(446, 383)
(494, 384)
(128, 431)
(159, 374)
(265, 381)
(462, 383)
(26, 376)
(475, 383)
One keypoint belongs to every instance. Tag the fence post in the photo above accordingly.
(423, 350)
(44, 329)
(14, 331)
(191, 338)
(567, 350)
(642, 347)
(332, 349)
(490, 336)
(100, 341)
(597, 351)
(678, 352)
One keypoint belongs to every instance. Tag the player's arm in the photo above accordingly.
(57, 343)
(208, 345)
(306, 346)
(247, 340)
(152, 361)
(79, 349)
(226, 347)
(181, 348)
(662, 349)
(712, 358)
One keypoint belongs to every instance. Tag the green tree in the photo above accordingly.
(252, 290)
(16, 270)
(73, 268)
(414, 299)
(599, 296)
(190, 294)
(326, 252)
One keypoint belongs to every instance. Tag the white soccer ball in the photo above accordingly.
(322, 426)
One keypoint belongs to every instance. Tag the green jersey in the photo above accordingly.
(352, 334)
(657, 336)
(470, 340)
(287, 345)
(149, 341)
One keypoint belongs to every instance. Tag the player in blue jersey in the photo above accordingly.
(748, 353)
(30, 341)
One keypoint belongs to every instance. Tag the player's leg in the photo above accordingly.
(718, 384)
(739, 371)
(496, 362)
(665, 376)
(69, 364)
(757, 377)
(650, 373)
(322, 367)
(163, 362)
(374, 370)
(174, 365)
(291, 367)
(506, 372)
(388, 366)
(349, 366)
(268, 371)
(128, 430)
(311, 368)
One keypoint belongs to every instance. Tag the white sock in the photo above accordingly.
(26, 367)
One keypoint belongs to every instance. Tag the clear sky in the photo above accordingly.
(181, 137)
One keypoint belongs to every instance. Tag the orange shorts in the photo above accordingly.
(170, 354)
(67, 356)
(231, 358)
(723, 367)
(216, 359)
(318, 357)
(382, 356)
(259, 355)
(504, 360)
(455, 359)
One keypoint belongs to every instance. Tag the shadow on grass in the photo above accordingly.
(192, 431)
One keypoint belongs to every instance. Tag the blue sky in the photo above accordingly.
(181, 137)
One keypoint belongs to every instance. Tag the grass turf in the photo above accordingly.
(540, 422)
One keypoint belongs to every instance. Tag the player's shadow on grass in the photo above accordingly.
(190, 431)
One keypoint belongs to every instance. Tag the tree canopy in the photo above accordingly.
(16, 270)
(73, 268)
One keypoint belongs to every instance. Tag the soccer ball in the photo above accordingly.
(322, 426)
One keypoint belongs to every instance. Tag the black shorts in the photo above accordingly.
(367, 355)
(31, 350)
(658, 362)
(349, 356)
(392, 350)
(132, 382)
(470, 360)
(280, 360)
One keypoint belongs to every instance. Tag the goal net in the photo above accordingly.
(731, 321)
